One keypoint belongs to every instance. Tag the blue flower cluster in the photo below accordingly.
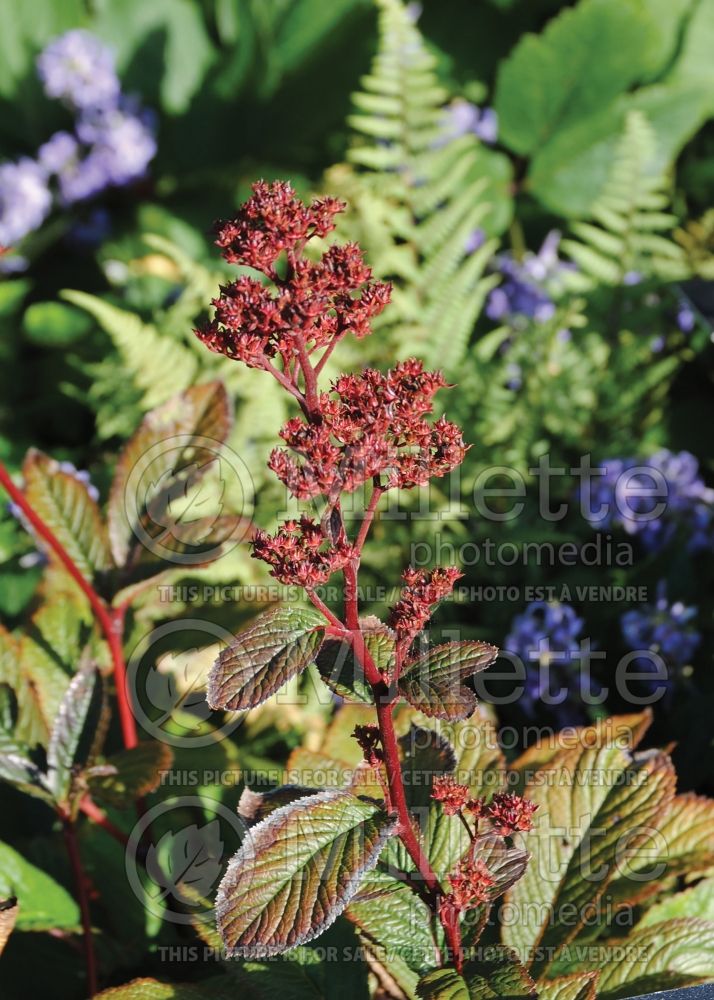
(546, 637)
(111, 145)
(529, 284)
(461, 118)
(663, 629)
(653, 498)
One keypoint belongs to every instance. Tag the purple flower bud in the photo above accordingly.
(25, 200)
(79, 70)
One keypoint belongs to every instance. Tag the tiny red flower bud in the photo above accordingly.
(509, 813)
(453, 796)
(424, 588)
(471, 885)
(369, 741)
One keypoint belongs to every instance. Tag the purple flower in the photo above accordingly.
(461, 118)
(546, 638)
(686, 319)
(25, 200)
(79, 70)
(654, 497)
(475, 240)
(58, 152)
(528, 283)
(117, 147)
(662, 629)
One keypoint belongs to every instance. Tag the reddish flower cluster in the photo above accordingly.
(453, 796)
(424, 588)
(370, 424)
(314, 304)
(300, 553)
(471, 885)
(369, 741)
(509, 813)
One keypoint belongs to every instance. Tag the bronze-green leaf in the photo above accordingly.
(64, 504)
(434, 682)
(279, 645)
(297, 871)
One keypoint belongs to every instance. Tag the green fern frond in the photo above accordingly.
(160, 366)
(414, 199)
(628, 232)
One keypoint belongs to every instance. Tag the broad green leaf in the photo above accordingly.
(44, 904)
(626, 731)
(339, 668)
(596, 806)
(681, 842)
(254, 807)
(279, 645)
(53, 324)
(578, 987)
(64, 504)
(23, 774)
(218, 988)
(495, 975)
(297, 871)
(178, 441)
(434, 682)
(695, 902)
(395, 924)
(137, 772)
(183, 59)
(442, 984)
(570, 172)
(77, 731)
(586, 56)
(665, 956)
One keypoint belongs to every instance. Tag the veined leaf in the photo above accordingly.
(279, 645)
(64, 504)
(77, 731)
(434, 683)
(695, 902)
(137, 772)
(180, 439)
(297, 871)
(663, 956)
(427, 754)
(339, 668)
(495, 975)
(218, 988)
(254, 807)
(596, 806)
(43, 903)
(395, 924)
(23, 774)
(626, 731)
(682, 841)
(578, 987)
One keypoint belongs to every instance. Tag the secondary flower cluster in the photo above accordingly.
(546, 639)
(471, 885)
(111, 145)
(653, 498)
(314, 304)
(664, 629)
(508, 813)
(422, 591)
(370, 424)
(300, 554)
(530, 284)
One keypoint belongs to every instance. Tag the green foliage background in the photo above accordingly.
(605, 134)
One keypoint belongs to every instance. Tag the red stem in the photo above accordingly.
(95, 814)
(70, 839)
(368, 517)
(111, 620)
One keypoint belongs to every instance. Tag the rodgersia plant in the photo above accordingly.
(300, 866)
